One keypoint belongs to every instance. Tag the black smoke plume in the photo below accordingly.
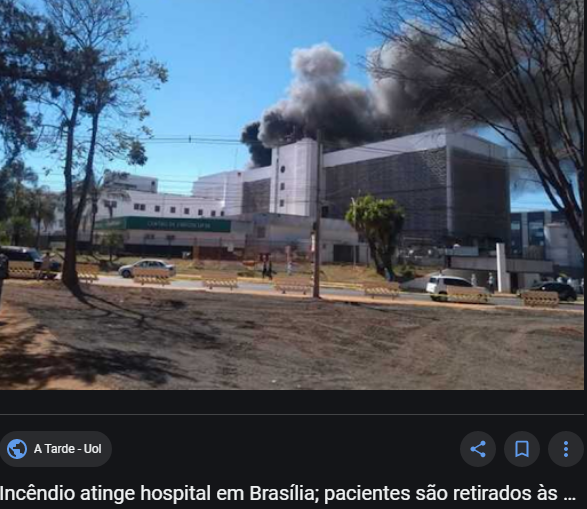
(260, 155)
(321, 97)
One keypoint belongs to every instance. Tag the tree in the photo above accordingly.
(516, 66)
(113, 242)
(18, 31)
(43, 205)
(106, 85)
(380, 222)
(15, 177)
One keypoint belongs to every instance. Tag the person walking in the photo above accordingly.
(45, 270)
(265, 267)
(4, 265)
(270, 270)
(289, 268)
(474, 280)
(491, 283)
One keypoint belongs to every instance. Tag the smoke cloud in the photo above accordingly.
(260, 155)
(321, 97)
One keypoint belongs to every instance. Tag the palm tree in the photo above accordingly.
(103, 187)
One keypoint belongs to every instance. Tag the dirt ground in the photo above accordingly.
(152, 339)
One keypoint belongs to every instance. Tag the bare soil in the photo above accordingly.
(152, 339)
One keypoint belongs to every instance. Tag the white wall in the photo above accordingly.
(155, 205)
(293, 179)
(132, 182)
(429, 140)
(561, 246)
(476, 145)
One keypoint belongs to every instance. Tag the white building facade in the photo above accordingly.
(452, 186)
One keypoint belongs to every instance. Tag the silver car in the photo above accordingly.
(127, 271)
(438, 286)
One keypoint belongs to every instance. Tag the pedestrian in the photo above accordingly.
(265, 267)
(474, 280)
(45, 269)
(270, 270)
(3, 273)
(289, 268)
(491, 283)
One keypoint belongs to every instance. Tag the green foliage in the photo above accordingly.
(137, 154)
(113, 243)
(21, 203)
(380, 222)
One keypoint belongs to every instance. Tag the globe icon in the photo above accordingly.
(17, 449)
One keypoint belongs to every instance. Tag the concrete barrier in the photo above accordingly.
(151, 277)
(219, 280)
(293, 285)
(382, 289)
(541, 299)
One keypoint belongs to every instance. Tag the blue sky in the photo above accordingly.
(228, 61)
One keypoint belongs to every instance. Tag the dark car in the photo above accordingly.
(26, 254)
(566, 293)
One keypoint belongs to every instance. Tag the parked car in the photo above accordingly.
(566, 293)
(127, 271)
(438, 285)
(27, 254)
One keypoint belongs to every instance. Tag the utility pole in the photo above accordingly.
(317, 232)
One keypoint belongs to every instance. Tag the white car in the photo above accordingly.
(127, 271)
(438, 285)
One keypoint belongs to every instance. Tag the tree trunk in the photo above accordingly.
(379, 267)
(387, 261)
(38, 239)
(69, 276)
(74, 217)
(93, 225)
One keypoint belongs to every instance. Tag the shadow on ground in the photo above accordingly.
(24, 363)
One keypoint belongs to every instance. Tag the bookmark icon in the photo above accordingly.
(522, 448)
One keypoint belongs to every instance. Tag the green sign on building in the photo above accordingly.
(168, 225)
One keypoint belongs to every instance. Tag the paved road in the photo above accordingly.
(182, 284)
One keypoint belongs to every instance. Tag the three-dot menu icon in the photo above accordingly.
(566, 449)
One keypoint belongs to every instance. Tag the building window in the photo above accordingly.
(157, 208)
(282, 186)
(200, 212)
(140, 206)
(186, 212)
(172, 210)
(213, 213)
(536, 224)
(283, 169)
(222, 213)
(282, 203)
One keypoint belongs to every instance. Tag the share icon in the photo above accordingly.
(474, 449)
